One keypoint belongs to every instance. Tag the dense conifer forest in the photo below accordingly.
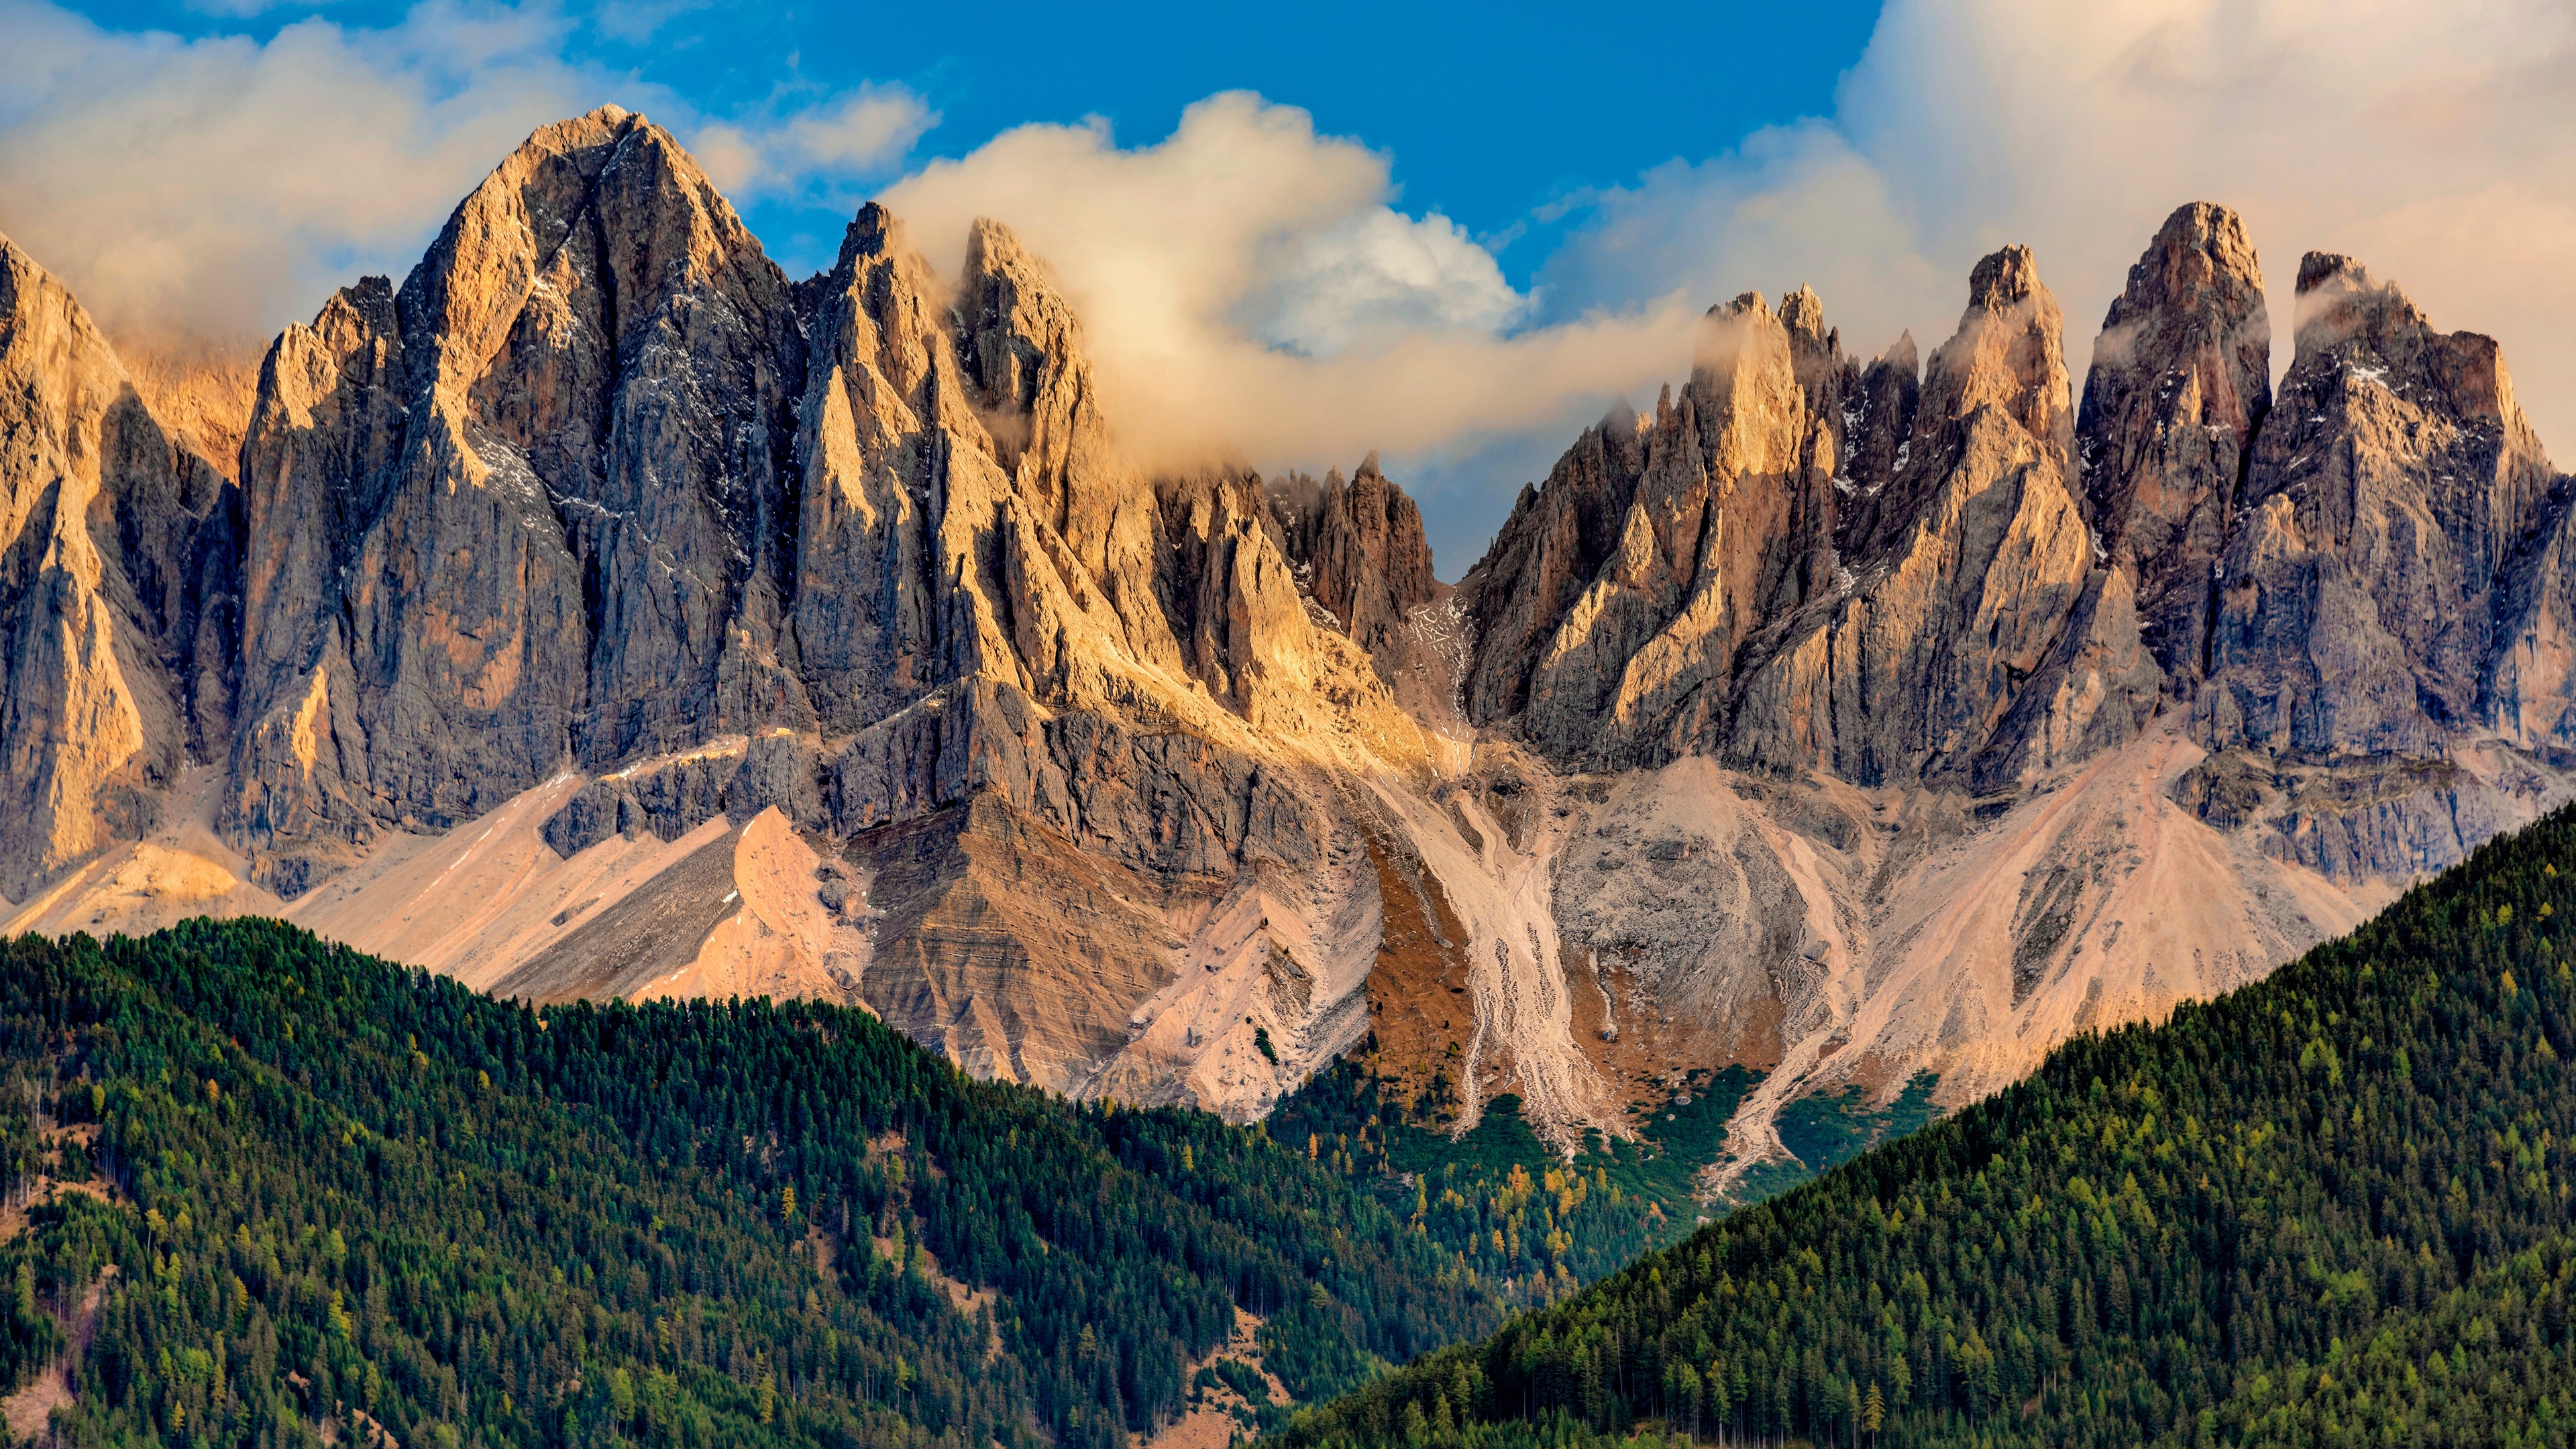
(303, 1189)
(1532, 1222)
(2331, 1208)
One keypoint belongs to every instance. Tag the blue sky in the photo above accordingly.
(1494, 115)
(1296, 236)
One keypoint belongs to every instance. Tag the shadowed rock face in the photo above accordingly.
(1359, 552)
(1614, 603)
(2387, 502)
(1839, 717)
(2181, 379)
(2368, 571)
(1821, 565)
(118, 590)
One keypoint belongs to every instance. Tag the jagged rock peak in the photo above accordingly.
(872, 232)
(119, 602)
(578, 411)
(2200, 258)
(605, 123)
(2004, 279)
(2181, 378)
(2387, 582)
(2339, 301)
(1745, 303)
(2009, 351)
(2316, 269)
(471, 285)
(1022, 350)
(2344, 311)
(1803, 313)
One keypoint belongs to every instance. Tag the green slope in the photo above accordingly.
(1534, 1226)
(2332, 1208)
(331, 1187)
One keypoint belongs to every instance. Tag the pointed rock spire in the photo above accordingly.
(547, 485)
(2181, 379)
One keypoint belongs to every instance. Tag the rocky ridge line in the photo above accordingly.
(600, 612)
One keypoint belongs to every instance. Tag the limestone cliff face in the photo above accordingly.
(2386, 496)
(2384, 671)
(1974, 643)
(1820, 565)
(526, 511)
(118, 590)
(2181, 379)
(1613, 607)
(1359, 552)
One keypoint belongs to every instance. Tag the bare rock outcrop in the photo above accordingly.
(118, 590)
(1973, 644)
(1613, 607)
(2384, 604)
(1821, 565)
(2391, 486)
(2181, 380)
(527, 509)
(1359, 552)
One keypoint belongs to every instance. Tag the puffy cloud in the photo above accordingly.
(1248, 289)
(221, 186)
(1375, 277)
(210, 185)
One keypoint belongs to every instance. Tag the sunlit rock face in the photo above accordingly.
(600, 612)
(119, 590)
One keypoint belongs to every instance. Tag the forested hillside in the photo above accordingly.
(2330, 1208)
(1528, 1221)
(310, 1191)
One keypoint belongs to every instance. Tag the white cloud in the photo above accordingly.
(222, 186)
(219, 185)
(857, 136)
(1248, 289)
(1375, 277)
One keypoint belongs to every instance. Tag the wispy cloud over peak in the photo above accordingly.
(857, 136)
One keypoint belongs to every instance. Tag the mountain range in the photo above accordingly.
(601, 612)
